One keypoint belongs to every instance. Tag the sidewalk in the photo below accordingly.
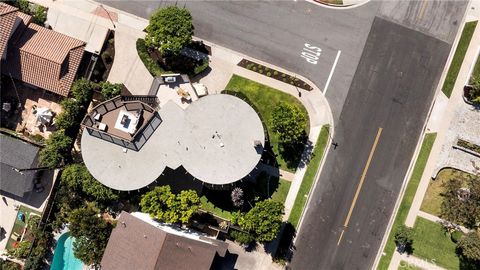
(447, 116)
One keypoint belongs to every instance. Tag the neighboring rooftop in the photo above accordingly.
(37, 55)
(218, 139)
(21, 156)
(136, 244)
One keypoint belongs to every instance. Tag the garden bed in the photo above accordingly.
(105, 61)
(20, 225)
(157, 64)
(468, 145)
(277, 75)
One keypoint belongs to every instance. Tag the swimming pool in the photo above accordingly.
(63, 258)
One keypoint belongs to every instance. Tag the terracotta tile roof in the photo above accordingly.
(136, 244)
(42, 57)
(7, 20)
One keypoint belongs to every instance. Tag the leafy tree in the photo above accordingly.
(459, 210)
(70, 116)
(91, 233)
(189, 202)
(165, 206)
(170, 29)
(57, 148)
(289, 122)
(110, 90)
(40, 15)
(77, 177)
(21, 250)
(82, 91)
(469, 248)
(263, 220)
(404, 239)
(8, 265)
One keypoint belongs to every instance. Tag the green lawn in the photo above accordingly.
(309, 177)
(433, 244)
(18, 226)
(282, 190)
(433, 200)
(458, 57)
(210, 207)
(408, 198)
(265, 99)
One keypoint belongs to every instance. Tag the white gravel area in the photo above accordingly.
(464, 125)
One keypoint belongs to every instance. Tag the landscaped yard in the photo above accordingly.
(309, 177)
(19, 225)
(265, 99)
(407, 198)
(433, 200)
(431, 243)
(218, 202)
(458, 58)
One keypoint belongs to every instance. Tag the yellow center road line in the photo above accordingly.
(422, 9)
(372, 151)
(360, 184)
(340, 238)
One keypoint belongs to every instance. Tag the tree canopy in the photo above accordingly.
(91, 232)
(57, 148)
(77, 177)
(263, 220)
(82, 91)
(110, 90)
(464, 211)
(469, 248)
(70, 116)
(290, 123)
(170, 29)
(165, 206)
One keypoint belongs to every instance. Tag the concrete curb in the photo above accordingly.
(339, 7)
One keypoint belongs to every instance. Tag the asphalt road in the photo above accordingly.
(392, 56)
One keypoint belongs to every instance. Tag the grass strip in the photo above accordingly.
(458, 57)
(407, 198)
(309, 177)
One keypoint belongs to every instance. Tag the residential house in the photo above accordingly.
(18, 164)
(137, 244)
(36, 55)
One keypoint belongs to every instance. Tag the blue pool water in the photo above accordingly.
(63, 258)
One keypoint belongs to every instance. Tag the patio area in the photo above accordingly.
(180, 91)
(24, 104)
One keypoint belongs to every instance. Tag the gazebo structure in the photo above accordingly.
(218, 139)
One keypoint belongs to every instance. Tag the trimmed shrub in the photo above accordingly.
(269, 74)
(199, 69)
(242, 238)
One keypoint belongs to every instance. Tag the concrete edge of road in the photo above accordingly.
(352, 4)
(419, 144)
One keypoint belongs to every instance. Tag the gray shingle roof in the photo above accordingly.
(17, 154)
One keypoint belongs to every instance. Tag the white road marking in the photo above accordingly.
(331, 72)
